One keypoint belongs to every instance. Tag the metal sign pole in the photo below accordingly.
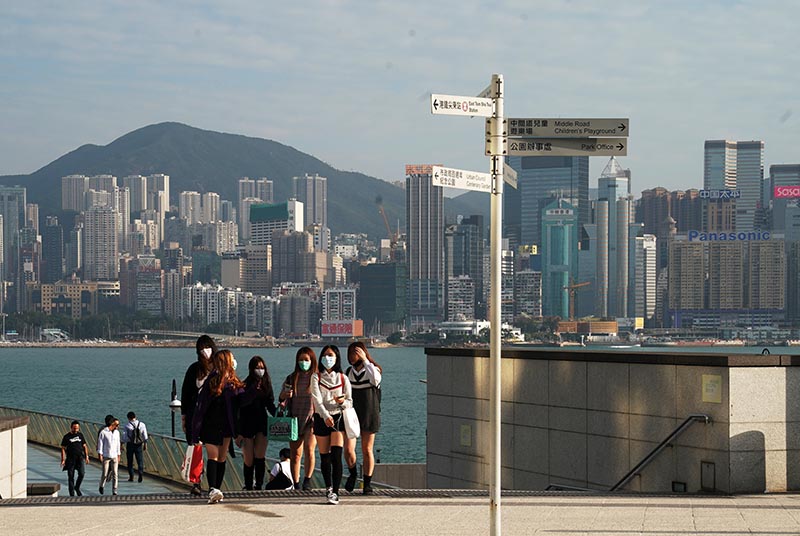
(497, 132)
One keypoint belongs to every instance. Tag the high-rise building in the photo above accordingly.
(158, 200)
(464, 245)
(541, 180)
(264, 191)
(256, 264)
(559, 243)
(100, 244)
(137, 185)
(425, 235)
(785, 213)
(339, 303)
(12, 207)
(32, 216)
(264, 220)
(687, 271)
(719, 170)
(766, 274)
(645, 277)
(245, 227)
(190, 207)
(294, 260)
(312, 191)
(247, 188)
(382, 297)
(211, 207)
(227, 212)
(460, 298)
(613, 235)
(122, 205)
(74, 250)
(52, 251)
(73, 192)
(528, 293)
(750, 183)
(104, 183)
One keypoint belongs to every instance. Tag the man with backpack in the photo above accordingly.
(134, 435)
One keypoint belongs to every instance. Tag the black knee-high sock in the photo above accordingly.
(220, 474)
(336, 459)
(248, 476)
(211, 473)
(261, 470)
(326, 468)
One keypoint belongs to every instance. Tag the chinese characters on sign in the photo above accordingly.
(524, 127)
(459, 105)
(720, 194)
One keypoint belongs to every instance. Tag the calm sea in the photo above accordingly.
(89, 383)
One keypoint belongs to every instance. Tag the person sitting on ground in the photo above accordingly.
(281, 475)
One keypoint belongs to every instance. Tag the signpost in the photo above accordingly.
(538, 127)
(458, 105)
(568, 147)
(461, 178)
(528, 137)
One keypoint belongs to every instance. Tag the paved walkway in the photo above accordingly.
(388, 513)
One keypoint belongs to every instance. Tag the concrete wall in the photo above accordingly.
(586, 418)
(401, 475)
(13, 458)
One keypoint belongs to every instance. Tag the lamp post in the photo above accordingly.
(174, 405)
(4, 315)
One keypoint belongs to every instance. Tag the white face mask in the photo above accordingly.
(259, 372)
(235, 364)
(328, 361)
(206, 352)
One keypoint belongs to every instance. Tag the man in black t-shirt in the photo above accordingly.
(74, 452)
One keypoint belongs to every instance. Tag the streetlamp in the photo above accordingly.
(4, 315)
(174, 405)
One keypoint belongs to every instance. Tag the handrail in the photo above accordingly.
(162, 458)
(691, 419)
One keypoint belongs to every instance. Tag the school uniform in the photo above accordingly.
(301, 405)
(366, 386)
(326, 387)
(255, 404)
(214, 416)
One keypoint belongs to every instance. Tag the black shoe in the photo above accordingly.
(130, 479)
(100, 489)
(140, 478)
(297, 486)
(195, 490)
(307, 484)
(78, 492)
(367, 489)
(350, 485)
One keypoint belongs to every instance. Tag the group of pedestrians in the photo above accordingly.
(75, 452)
(218, 408)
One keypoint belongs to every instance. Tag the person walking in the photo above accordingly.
(134, 435)
(365, 378)
(74, 456)
(108, 449)
(255, 404)
(331, 391)
(193, 380)
(214, 419)
(296, 397)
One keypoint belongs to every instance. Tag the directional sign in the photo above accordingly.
(536, 127)
(487, 92)
(509, 175)
(457, 105)
(568, 147)
(461, 178)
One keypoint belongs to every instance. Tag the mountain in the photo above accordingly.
(207, 161)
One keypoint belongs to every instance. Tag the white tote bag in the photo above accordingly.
(351, 425)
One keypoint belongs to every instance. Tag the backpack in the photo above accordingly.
(136, 437)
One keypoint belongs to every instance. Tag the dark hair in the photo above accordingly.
(131, 415)
(285, 453)
(308, 352)
(337, 367)
(109, 419)
(73, 423)
(251, 376)
(351, 351)
(204, 341)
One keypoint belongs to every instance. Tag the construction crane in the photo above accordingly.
(572, 288)
(392, 236)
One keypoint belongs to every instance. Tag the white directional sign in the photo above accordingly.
(461, 178)
(458, 105)
(568, 147)
(536, 127)
(509, 175)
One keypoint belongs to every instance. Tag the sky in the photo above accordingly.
(350, 82)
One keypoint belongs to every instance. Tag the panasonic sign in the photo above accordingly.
(699, 236)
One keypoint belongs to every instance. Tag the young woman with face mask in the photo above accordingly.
(365, 377)
(332, 393)
(193, 380)
(296, 397)
(255, 403)
(214, 421)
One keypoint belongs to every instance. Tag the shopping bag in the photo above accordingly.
(192, 466)
(351, 425)
(282, 428)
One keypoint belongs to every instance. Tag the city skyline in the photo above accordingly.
(114, 68)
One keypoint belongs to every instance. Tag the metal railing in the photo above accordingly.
(162, 458)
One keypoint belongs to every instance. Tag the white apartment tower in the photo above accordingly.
(100, 244)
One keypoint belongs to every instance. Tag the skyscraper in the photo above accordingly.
(137, 184)
(73, 192)
(464, 244)
(750, 183)
(785, 214)
(719, 170)
(425, 246)
(100, 244)
(52, 251)
(264, 190)
(614, 192)
(264, 220)
(559, 256)
(541, 180)
(190, 207)
(645, 277)
(158, 200)
(12, 207)
(211, 207)
(312, 191)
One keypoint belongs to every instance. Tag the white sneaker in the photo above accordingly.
(332, 497)
(214, 496)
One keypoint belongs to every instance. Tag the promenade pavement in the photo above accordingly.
(437, 512)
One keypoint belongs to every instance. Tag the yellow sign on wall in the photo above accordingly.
(466, 435)
(712, 388)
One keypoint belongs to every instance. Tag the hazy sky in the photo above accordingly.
(349, 82)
